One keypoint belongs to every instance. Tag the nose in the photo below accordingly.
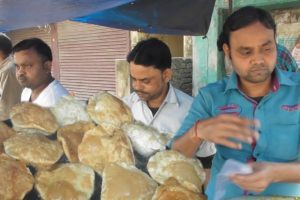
(137, 85)
(258, 58)
(20, 70)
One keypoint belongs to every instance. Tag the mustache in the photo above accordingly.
(21, 76)
(258, 67)
(139, 91)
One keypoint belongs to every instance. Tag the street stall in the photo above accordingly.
(97, 150)
(77, 151)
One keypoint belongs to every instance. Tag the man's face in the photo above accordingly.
(31, 70)
(253, 53)
(149, 83)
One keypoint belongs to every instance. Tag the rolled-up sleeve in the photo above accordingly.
(198, 111)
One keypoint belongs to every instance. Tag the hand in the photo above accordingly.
(223, 127)
(257, 181)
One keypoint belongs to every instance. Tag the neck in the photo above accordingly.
(37, 91)
(155, 103)
(256, 89)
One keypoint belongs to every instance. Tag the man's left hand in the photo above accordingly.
(258, 180)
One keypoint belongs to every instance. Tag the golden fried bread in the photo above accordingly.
(33, 149)
(31, 118)
(105, 108)
(172, 164)
(99, 147)
(15, 179)
(71, 136)
(121, 181)
(173, 190)
(67, 181)
(68, 110)
(5, 133)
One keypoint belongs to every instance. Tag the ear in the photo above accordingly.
(226, 50)
(167, 74)
(47, 66)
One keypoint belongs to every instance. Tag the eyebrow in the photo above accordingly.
(263, 45)
(267, 43)
(147, 78)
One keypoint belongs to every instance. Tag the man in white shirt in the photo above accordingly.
(155, 101)
(33, 59)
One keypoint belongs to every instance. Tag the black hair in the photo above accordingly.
(38, 45)
(242, 18)
(5, 44)
(151, 52)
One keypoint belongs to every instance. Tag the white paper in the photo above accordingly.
(230, 167)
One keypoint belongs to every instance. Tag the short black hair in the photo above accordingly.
(5, 44)
(242, 18)
(38, 45)
(151, 52)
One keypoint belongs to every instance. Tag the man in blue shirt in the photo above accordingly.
(253, 116)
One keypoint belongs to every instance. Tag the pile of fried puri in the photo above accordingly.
(60, 151)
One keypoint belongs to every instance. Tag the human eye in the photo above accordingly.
(245, 52)
(146, 81)
(268, 49)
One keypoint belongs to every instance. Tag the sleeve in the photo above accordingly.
(198, 111)
(11, 90)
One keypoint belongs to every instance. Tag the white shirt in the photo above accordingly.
(10, 89)
(49, 96)
(169, 116)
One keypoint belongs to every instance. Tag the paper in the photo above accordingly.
(230, 167)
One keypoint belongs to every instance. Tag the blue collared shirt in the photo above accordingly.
(278, 113)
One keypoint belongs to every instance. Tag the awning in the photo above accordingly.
(185, 17)
(17, 14)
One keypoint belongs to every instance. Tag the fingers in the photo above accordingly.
(249, 182)
(228, 143)
(257, 181)
(240, 133)
(224, 127)
(239, 121)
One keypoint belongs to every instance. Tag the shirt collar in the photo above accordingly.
(281, 78)
(232, 82)
(171, 96)
(285, 78)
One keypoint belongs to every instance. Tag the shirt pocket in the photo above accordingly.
(283, 142)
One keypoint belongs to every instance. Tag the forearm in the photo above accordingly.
(286, 172)
(187, 144)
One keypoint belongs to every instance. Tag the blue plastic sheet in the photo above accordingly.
(184, 17)
(17, 14)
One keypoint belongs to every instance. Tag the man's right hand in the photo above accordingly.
(222, 128)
